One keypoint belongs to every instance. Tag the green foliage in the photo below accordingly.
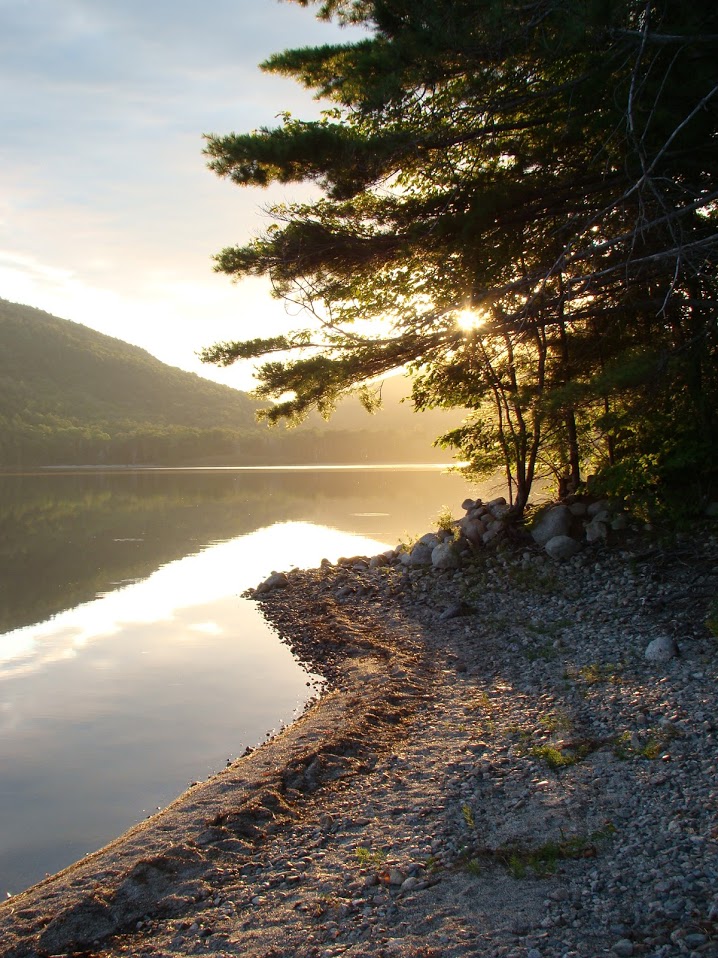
(543, 860)
(367, 858)
(537, 253)
(558, 757)
(70, 395)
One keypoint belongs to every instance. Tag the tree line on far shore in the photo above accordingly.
(72, 396)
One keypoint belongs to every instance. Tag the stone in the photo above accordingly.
(419, 555)
(623, 948)
(578, 508)
(596, 531)
(472, 529)
(603, 505)
(445, 556)
(661, 649)
(468, 504)
(456, 609)
(277, 580)
(555, 522)
(562, 547)
(619, 522)
(712, 510)
(377, 561)
(430, 539)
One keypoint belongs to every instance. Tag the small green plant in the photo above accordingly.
(625, 746)
(596, 672)
(543, 653)
(368, 858)
(473, 867)
(543, 860)
(555, 722)
(431, 865)
(560, 757)
(481, 702)
(468, 816)
(445, 521)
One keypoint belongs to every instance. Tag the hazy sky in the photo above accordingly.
(108, 214)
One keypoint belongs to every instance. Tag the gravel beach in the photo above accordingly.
(496, 769)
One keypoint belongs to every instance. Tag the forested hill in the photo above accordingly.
(71, 395)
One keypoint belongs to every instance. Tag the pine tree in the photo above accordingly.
(519, 206)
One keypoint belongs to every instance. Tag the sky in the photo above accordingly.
(108, 213)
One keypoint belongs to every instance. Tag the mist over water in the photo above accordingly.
(130, 665)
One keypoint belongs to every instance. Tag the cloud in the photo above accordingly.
(103, 185)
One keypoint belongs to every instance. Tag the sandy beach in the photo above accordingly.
(495, 769)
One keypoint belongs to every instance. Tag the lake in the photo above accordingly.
(130, 665)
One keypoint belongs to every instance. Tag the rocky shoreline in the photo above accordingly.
(496, 769)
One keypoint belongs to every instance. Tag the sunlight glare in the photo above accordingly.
(470, 319)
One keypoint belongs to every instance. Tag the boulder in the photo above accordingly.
(661, 649)
(446, 556)
(419, 555)
(430, 539)
(472, 529)
(562, 547)
(555, 522)
(603, 505)
(596, 531)
(499, 508)
(277, 580)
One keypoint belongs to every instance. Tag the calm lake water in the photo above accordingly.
(130, 665)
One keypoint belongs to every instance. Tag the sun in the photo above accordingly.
(470, 319)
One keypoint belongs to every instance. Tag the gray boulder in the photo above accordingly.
(555, 522)
(419, 555)
(472, 529)
(446, 556)
(661, 649)
(562, 547)
(596, 530)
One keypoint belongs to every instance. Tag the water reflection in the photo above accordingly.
(64, 538)
(130, 666)
(110, 709)
(195, 581)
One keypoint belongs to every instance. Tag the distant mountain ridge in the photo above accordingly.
(71, 395)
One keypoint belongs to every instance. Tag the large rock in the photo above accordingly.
(446, 556)
(472, 529)
(555, 522)
(499, 508)
(562, 547)
(419, 555)
(596, 530)
(277, 580)
(661, 649)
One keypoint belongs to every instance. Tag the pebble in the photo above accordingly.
(557, 729)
